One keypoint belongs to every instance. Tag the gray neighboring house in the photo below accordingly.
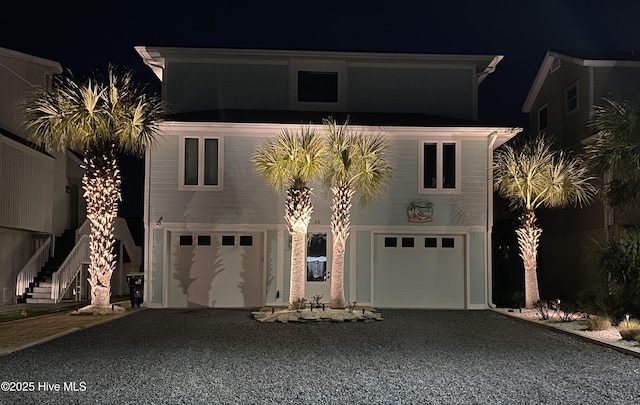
(43, 228)
(560, 102)
(214, 232)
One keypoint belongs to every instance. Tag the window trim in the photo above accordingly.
(542, 107)
(339, 67)
(556, 63)
(566, 98)
(201, 142)
(439, 167)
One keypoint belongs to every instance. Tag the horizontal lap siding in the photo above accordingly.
(470, 207)
(467, 208)
(245, 199)
(26, 187)
(208, 86)
(437, 91)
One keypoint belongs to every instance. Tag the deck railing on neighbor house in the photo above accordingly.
(69, 269)
(33, 266)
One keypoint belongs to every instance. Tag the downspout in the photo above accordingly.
(487, 240)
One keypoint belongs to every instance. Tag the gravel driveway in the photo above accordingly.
(215, 356)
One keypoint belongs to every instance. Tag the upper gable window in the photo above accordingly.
(571, 97)
(318, 85)
(200, 163)
(439, 167)
(543, 118)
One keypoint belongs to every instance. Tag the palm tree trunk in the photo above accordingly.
(528, 240)
(298, 209)
(340, 227)
(101, 184)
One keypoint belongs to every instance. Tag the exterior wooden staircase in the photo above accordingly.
(39, 290)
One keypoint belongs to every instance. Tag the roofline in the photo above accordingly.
(503, 134)
(545, 68)
(155, 57)
(52, 66)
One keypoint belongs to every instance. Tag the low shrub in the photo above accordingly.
(299, 304)
(542, 310)
(595, 322)
(629, 333)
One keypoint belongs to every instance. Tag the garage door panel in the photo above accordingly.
(422, 276)
(217, 270)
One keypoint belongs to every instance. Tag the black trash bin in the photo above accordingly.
(136, 288)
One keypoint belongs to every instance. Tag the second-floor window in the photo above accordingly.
(317, 87)
(439, 167)
(200, 163)
(543, 118)
(571, 96)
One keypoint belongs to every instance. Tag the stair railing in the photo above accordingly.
(62, 279)
(30, 270)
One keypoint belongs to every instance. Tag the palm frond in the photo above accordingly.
(291, 159)
(357, 160)
(532, 174)
(615, 154)
(97, 113)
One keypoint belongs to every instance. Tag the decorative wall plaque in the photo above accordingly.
(420, 211)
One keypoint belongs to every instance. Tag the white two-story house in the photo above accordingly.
(214, 232)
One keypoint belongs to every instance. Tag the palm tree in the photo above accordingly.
(358, 165)
(101, 118)
(531, 175)
(615, 154)
(289, 162)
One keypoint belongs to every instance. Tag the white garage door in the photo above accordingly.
(221, 269)
(419, 271)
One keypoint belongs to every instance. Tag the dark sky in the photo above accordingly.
(88, 37)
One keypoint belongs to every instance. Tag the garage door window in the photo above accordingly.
(228, 240)
(246, 240)
(186, 240)
(448, 243)
(390, 242)
(204, 240)
(407, 242)
(430, 242)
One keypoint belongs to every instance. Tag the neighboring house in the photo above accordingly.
(560, 103)
(214, 232)
(41, 203)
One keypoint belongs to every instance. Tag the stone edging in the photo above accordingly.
(612, 345)
(284, 315)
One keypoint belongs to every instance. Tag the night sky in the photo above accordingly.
(87, 38)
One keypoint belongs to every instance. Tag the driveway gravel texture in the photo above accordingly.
(224, 356)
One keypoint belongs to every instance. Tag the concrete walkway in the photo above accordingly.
(22, 333)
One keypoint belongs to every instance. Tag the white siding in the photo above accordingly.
(436, 91)
(245, 198)
(466, 208)
(26, 186)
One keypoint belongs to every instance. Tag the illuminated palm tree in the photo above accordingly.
(101, 118)
(289, 162)
(358, 165)
(531, 175)
(615, 154)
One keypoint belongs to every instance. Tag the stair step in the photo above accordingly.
(42, 289)
(46, 294)
(45, 284)
(40, 301)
